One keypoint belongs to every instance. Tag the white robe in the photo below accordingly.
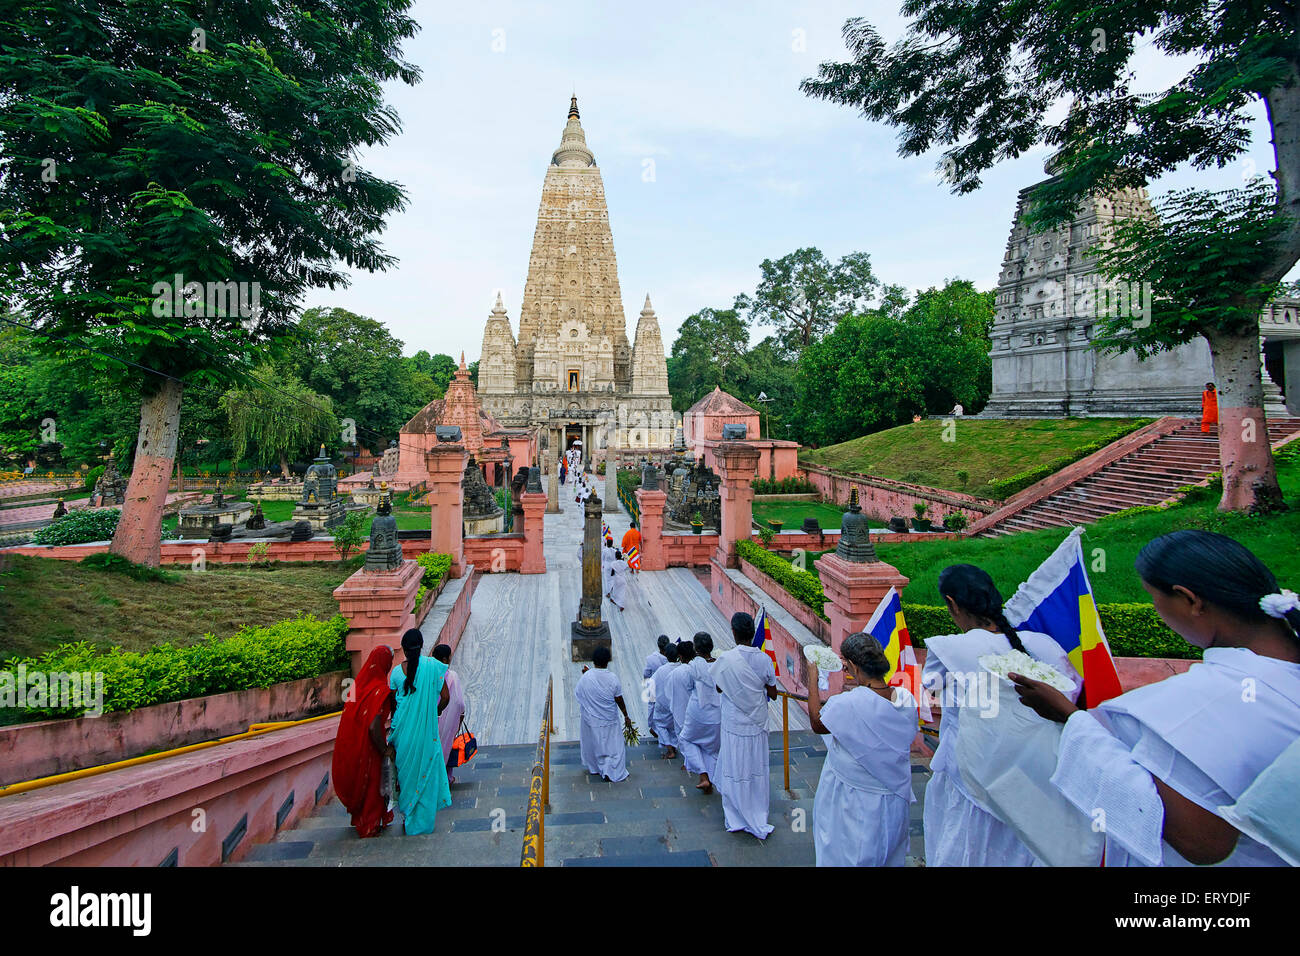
(959, 831)
(603, 749)
(677, 689)
(617, 578)
(743, 771)
(653, 662)
(860, 812)
(701, 732)
(1207, 734)
(661, 714)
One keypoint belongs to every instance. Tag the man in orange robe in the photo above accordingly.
(1209, 408)
(632, 547)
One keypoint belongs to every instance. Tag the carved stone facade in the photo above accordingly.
(572, 370)
(1048, 301)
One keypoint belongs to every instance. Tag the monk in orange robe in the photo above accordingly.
(632, 547)
(1209, 408)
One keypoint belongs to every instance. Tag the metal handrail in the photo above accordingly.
(786, 696)
(539, 788)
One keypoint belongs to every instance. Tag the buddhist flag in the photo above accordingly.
(763, 639)
(1057, 601)
(890, 631)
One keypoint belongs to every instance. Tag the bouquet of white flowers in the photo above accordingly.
(827, 662)
(1018, 662)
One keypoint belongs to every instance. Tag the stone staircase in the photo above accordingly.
(654, 818)
(1146, 476)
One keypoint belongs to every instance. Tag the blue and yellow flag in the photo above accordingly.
(889, 629)
(1057, 600)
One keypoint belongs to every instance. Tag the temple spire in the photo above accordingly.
(573, 106)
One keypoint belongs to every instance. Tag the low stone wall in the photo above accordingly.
(495, 553)
(48, 747)
(196, 809)
(801, 612)
(684, 549)
(786, 499)
(884, 498)
(446, 619)
(214, 552)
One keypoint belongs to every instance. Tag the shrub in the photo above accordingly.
(1132, 630)
(254, 657)
(785, 486)
(435, 567)
(628, 480)
(119, 565)
(257, 553)
(349, 535)
(803, 586)
(956, 521)
(1006, 487)
(79, 526)
(93, 476)
(766, 535)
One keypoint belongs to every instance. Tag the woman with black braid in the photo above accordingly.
(959, 831)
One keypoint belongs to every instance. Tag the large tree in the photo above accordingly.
(708, 353)
(987, 80)
(274, 423)
(175, 175)
(803, 294)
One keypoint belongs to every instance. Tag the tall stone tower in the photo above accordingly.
(571, 369)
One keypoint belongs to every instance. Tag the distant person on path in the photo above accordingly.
(860, 812)
(700, 735)
(359, 748)
(1209, 408)
(1164, 760)
(420, 686)
(617, 579)
(600, 698)
(632, 547)
(747, 681)
(661, 712)
(959, 831)
(449, 720)
(564, 471)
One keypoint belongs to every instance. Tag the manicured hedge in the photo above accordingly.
(254, 657)
(804, 586)
(435, 567)
(786, 486)
(79, 526)
(1006, 487)
(1132, 630)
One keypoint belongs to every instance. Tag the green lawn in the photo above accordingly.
(409, 517)
(1116, 540)
(793, 513)
(985, 449)
(45, 602)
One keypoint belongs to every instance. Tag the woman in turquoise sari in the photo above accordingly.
(420, 686)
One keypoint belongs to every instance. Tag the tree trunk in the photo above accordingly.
(139, 530)
(1249, 477)
(284, 466)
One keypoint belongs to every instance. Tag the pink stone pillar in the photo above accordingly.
(446, 466)
(534, 505)
(380, 608)
(651, 524)
(736, 462)
(853, 591)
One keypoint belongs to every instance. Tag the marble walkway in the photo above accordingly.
(518, 636)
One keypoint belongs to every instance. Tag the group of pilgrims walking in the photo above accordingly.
(1198, 768)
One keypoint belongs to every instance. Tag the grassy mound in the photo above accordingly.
(986, 450)
(45, 603)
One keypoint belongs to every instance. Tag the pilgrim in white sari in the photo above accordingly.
(701, 731)
(959, 831)
(449, 719)
(677, 688)
(1207, 734)
(603, 749)
(653, 661)
(742, 674)
(617, 578)
(661, 712)
(860, 812)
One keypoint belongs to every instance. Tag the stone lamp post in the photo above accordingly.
(589, 631)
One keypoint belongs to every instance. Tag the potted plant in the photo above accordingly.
(775, 523)
(956, 521)
(920, 522)
(697, 522)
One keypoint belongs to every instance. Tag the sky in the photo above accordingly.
(712, 160)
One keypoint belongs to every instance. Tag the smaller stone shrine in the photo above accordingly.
(201, 521)
(385, 552)
(110, 487)
(692, 488)
(855, 537)
(481, 513)
(320, 505)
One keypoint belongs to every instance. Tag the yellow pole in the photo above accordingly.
(785, 737)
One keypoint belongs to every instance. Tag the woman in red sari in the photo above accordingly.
(360, 745)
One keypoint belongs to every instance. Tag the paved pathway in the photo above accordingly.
(518, 635)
